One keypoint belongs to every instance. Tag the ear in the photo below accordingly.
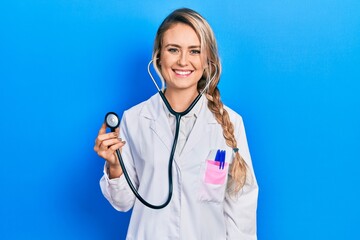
(158, 62)
(208, 62)
(158, 59)
(206, 65)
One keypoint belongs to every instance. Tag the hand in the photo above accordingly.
(105, 146)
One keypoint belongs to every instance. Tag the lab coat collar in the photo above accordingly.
(154, 111)
(194, 111)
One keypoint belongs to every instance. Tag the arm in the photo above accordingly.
(117, 192)
(240, 208)
(114, 187)
(240, 213)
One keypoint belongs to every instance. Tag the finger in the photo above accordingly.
(109, 142)
(106, 136)
(106, 155)
(96, 148)
(99, 141)
(117, 146)
(102, 147)
(105, 145)
(102, 129)
(109, 153)
(123, 143)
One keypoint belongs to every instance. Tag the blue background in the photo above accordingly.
(290, 68)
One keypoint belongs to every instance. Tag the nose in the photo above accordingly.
(182, 61)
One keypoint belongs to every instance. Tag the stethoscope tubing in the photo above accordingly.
(178, 116)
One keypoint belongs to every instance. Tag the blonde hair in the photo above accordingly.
(208, 46)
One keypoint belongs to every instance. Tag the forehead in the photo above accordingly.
(182, 35)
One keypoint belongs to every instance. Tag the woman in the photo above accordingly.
(211, 200)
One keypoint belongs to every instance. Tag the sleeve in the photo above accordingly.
(240, 208)
(117, 190)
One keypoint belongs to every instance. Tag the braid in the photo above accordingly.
(210, 76)
(238, 166)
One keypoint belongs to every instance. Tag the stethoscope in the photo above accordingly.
(112, 121)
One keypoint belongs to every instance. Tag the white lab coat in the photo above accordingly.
(197, 210)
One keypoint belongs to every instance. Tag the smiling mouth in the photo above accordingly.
(183, 73)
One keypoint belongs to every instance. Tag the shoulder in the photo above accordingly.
(235, 117)
(144, 108)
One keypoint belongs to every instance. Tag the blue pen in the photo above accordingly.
(223, 152)
(218, 157)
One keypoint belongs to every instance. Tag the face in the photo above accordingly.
(181, 61)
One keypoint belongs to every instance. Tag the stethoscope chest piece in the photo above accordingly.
(112, 120)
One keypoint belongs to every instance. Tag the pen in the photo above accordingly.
(222, 163)
(220, 157)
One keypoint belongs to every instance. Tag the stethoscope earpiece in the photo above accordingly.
(112, 120)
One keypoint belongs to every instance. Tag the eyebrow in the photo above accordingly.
(178, 46)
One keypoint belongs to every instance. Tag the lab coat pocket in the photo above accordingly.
(214, 173)
(213, 179)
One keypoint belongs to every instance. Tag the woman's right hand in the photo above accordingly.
(105, 146)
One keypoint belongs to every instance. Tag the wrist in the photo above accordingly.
(113, 170)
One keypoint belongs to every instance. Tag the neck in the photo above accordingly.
(180, 100)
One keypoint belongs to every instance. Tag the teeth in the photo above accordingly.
(182, 72)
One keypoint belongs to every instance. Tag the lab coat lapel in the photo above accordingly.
(201, 128)
(159, 122)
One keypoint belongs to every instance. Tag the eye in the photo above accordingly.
(173, 50)
(195, 52)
